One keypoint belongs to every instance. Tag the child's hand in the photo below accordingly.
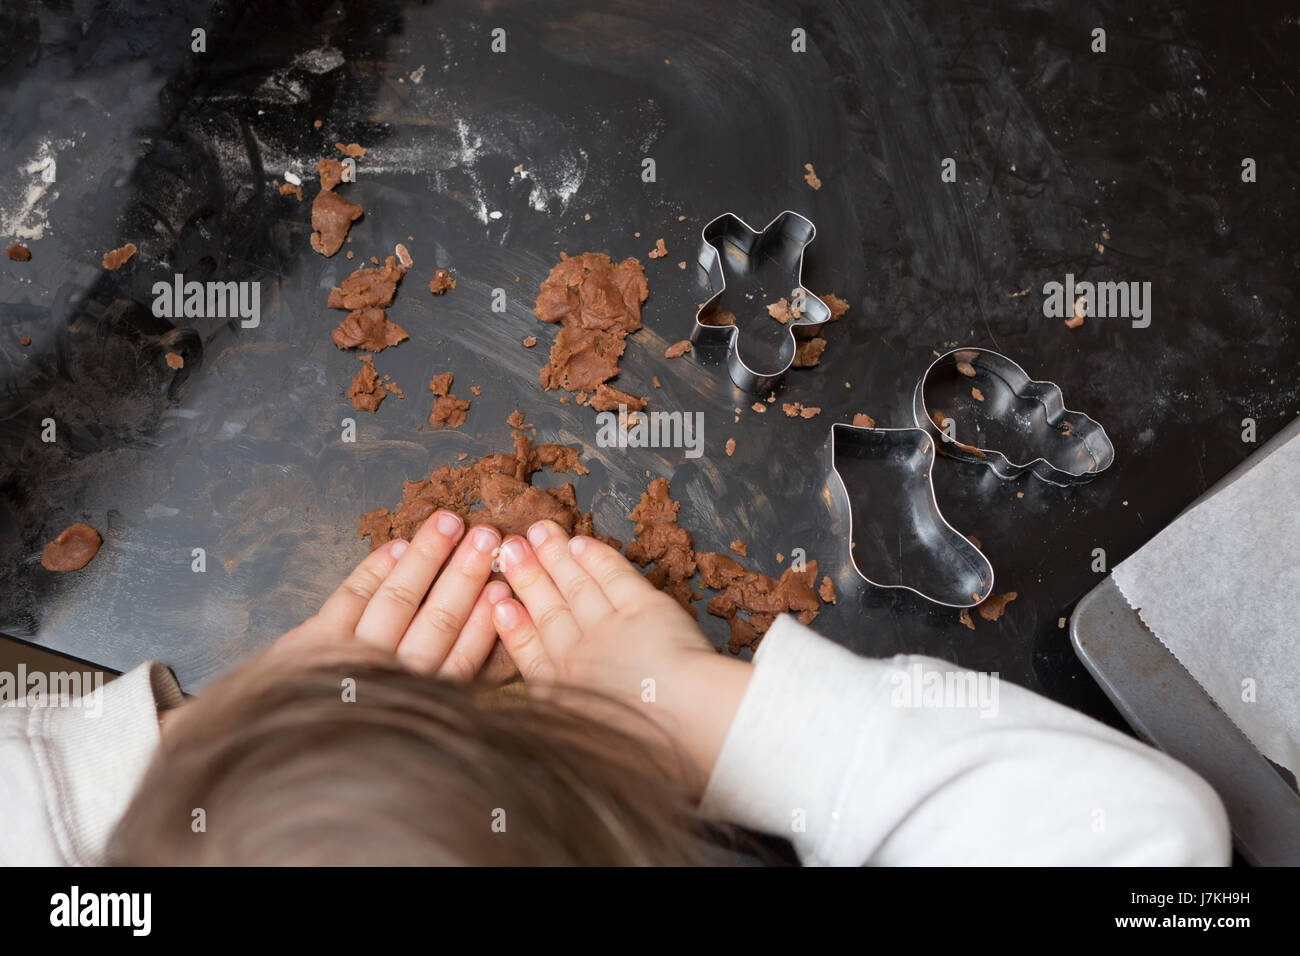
(589, 619)
(385, 606)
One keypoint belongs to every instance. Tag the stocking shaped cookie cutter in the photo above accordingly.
(898, 538)
(1068, 447)
(781, 241)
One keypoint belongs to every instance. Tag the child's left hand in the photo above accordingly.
(385, 605)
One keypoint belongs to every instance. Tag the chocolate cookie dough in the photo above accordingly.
(175, 361)
(441, 282)
(368, 329)
(72, 549)
(366, 392)
(116, 258)
(331, 218)
(598, 304)
(608, 399)
(448, 410)
(18, 253)
(368, 287)
(496, 490)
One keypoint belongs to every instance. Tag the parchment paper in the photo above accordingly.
(1220, 587)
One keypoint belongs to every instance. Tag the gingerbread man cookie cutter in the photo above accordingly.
(730, 241)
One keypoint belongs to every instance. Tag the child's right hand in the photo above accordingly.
(586, 618)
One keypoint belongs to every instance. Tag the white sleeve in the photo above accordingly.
(68, 771)
(913, 761)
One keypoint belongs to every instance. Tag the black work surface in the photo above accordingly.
(1120, 166)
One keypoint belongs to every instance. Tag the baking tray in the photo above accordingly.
(1167, 707)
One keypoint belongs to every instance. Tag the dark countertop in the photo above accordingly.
(1058, 151)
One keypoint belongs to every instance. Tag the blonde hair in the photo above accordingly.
(411, 772)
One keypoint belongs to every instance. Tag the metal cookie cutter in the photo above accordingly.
(898, 538)
(781, 242)
(977, 401)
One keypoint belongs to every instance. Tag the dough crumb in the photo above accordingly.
(174, 360)
(365, 392)
(19, 253)
(116, 258)
(759, 407)
(863, 420)
(530, 341)
(659, 251)
(351, 149)
(739, 547)
(964, 616)
(976, 394)
(827, 590)
(677, 349)
(404, 256)
(837, 305)
(73, 549)
(995, 605)
(810, 177)
(441, 282)
(731, 447)
(289, 189)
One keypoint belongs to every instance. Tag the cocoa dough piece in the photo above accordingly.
(863, 420)
(964, 617)
(827, 590)
(608, 399)
(330, 172)
(966, 369)
(368, 329)
(441, 282)
(331, 218)
(717, 316)
(739, 547)
(365, 391)
(810, 177)
(25, 341)
(116, 258)
(19, 253)
(743, 634)
(731, 447)
(289, 189)
(477, 489)
(780, 310)
(448, 411)
(808, 352)
(368, 287)
(441, 385)
(677, 349)
(598, 303)
(995, 605)
(658, 536)
(530, 341)
(72, 549)
(351, 149)
(837, 305)
(174, 361)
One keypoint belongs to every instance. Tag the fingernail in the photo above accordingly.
(538, 533)
(497, 591)
(506, 614)
(576, 545)
(485, 539)
(512, 552)
(398, 548)
(449, 524)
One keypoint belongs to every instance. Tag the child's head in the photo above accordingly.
(364, 764)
